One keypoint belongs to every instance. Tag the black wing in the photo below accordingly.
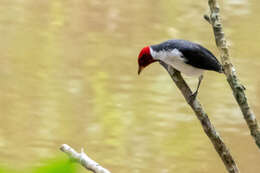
(195, 54)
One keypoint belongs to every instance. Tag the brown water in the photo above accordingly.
(68, 74)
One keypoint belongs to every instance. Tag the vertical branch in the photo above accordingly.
(238, 89)
(208, 128)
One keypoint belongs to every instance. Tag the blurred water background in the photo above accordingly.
(68, 74)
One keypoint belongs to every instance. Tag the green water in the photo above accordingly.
(68, 74)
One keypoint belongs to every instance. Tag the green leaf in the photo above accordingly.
(57, 166)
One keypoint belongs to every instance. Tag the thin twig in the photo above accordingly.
(238, 89)
(209, 129)
(83, 159)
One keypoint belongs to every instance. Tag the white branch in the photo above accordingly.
(83, 159)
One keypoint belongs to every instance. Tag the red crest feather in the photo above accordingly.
(144, 51)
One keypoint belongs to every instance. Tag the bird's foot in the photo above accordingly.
(192, 97)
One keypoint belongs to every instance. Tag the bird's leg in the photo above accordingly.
(194, 95)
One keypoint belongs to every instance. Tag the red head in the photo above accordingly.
(145, 58)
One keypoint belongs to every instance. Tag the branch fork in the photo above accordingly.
(83, 159)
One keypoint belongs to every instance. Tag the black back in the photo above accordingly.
(193, 53)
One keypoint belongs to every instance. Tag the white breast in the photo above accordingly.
(175, 59)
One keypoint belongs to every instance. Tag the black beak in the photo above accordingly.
(140, 69)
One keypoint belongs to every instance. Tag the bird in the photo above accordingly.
(187, 57)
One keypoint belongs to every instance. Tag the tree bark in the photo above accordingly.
(238, 89)
(208, 128)
(83, 159)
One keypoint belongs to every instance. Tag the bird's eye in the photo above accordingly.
(142, 59)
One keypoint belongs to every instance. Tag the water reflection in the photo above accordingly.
(69, 75)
